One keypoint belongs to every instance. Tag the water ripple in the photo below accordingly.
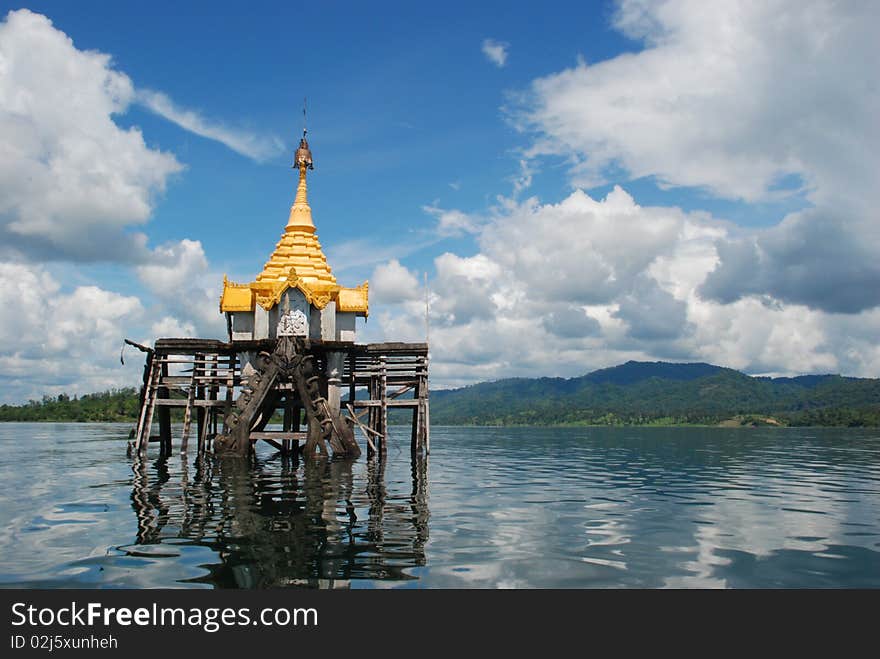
(492, 507)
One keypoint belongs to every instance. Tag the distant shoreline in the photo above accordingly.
(721, 426)
(634, 394)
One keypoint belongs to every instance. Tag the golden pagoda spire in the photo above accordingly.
(297, 261)
(299, 252)
(301, 213)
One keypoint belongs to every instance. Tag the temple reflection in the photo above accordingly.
(276, 522)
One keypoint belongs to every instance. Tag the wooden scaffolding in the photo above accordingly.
(204, 378)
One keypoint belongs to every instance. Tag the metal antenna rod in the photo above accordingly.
(304, 116)
(427, 325)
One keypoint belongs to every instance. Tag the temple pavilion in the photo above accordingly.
(296, 290)
(290, 356)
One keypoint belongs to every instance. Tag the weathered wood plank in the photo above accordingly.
(383, 403)
(367, 431)
(146, 420)
(164, 414)
(408, 402)
(191, 345)
(182, 402)
(415, 437)
(272, 434)
(187, 415)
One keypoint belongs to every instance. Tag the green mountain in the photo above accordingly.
(661, 393)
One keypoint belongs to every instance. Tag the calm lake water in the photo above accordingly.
(497, 507)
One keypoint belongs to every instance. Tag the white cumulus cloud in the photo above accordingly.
(561, 289)
(393, 283)
(72, 181)
(179, 278)
(54, 340)
(70, 178)
(495, 51)
(752, 101)
(730, 97)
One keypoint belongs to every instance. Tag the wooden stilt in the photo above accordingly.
(415, 436)
(373, 415)
(286, 425)
(164, 415)
(352, 384)
(423, 431)
(314, 442)
(190, 401)
(230, 387)
(148, 404)
(201, 421)
(367, 431)
(296, 413)
(383, 398)
(213, 390)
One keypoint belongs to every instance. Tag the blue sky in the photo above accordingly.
(402, 103)
(608, 180)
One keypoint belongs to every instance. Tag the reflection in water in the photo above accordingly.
(278, 523)
(509, 507)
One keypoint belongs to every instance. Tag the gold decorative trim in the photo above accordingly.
(236, 297)
(354, 299)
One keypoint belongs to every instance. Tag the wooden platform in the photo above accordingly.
(204, 378)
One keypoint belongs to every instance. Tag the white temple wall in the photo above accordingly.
(345, 326)
(261, 323)
(328, 322)
(242, 325)
(315, 324)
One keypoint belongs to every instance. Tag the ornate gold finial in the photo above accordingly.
(300, 214)
(303, 157)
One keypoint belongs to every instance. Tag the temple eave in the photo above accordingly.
(245, 297)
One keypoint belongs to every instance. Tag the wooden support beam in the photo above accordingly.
(402, 390)
(287, 424)
(205, 423)
(201, 413)
(183, 402)
(352, 387)
(149, 403)
(296, 421)
(230, 391)
(183, 380)
(213, 390)
(414, 444)
(367, 431)
(383, 397)
(276, 435)
(373, 412)
(407, 402)
(187, 415)
(425, 408)
(164, 415)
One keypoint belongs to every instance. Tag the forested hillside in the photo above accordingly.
(662, 393)
(114, 405)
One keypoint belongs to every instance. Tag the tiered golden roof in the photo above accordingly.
(297, 261)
